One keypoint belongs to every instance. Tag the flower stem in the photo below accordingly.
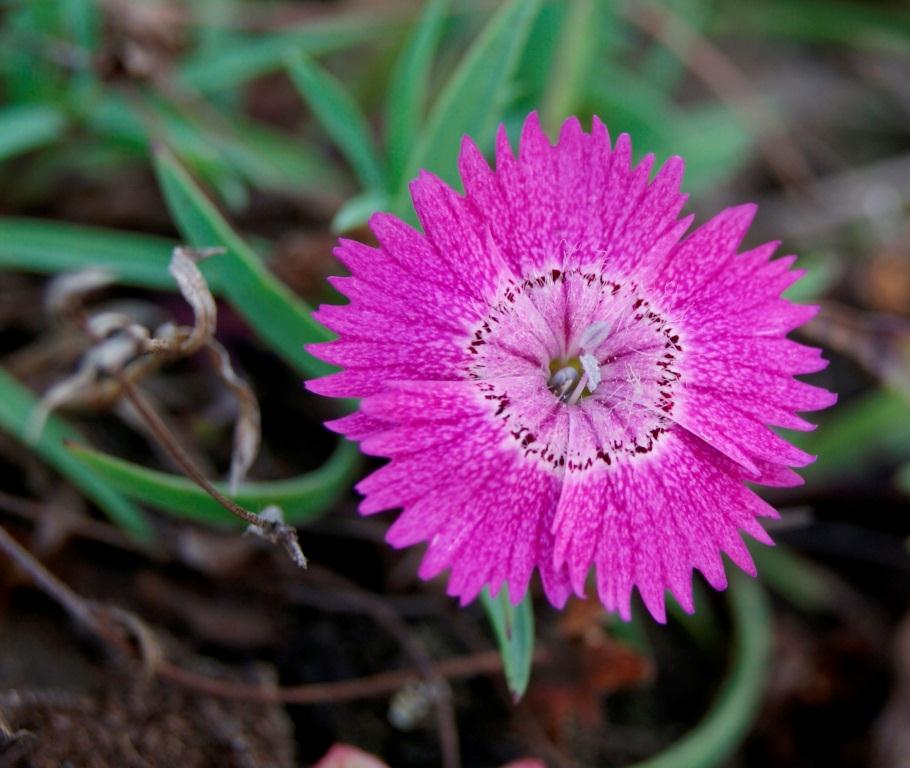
(738, 702)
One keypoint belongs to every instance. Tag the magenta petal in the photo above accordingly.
(642, 539)
(357, 426)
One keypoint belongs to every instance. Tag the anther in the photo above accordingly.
(591, 367)
(560, 383)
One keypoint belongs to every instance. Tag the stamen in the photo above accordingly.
(561, 381)
(595, 335)
(576, 395)
(592, 370)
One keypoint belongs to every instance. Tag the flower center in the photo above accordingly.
(564, 377)
(576, 346)
(571, 380)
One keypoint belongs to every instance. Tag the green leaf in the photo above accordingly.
(281, 319)
(96, 160)
(81, 24)
(710, 138)
(357, 211)
(793, 577)
(37, 245)
(302, 499)
(628, 104)
(662, 68)
(81, 18)
(853, 24)
(341, 117)
(142, 260)
(242, 59)
(273, 160)
(573, 59)
(713, 142)
(407, 92)
(17, 405)
(214, 25)
(738, 702)
(137, 122)
(702, 625)
(31, 76)
(473, 99)
(823, 270)
(29, 126)
(856, 435)
(225, 150)
(535, 65)
(513, 626)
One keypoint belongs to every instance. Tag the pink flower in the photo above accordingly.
(561, 381)
(344, 756)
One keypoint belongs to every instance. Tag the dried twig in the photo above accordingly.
(109, 625)
(269, 524)
(67, 523)
(124, 350)
(78, 608)
(388, 618)
(248, 430)
(65, 293)
(381, 684)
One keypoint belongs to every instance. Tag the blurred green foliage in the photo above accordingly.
(75, 100)
(96, 89)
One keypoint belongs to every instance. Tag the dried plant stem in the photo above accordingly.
(84, 526)
(77, 607)
(109, 625)
(381, 684)
(272, 529)
(177, 452)
(386, 616)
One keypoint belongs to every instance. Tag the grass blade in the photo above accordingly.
(16, 407)
(710, 138)
(273, 160)
(795, 578)
(663, 69)
(29, 78)
(473, 98)
(27, 127)
(138, 122)
(302, 499)
(358, 209)
(226, 150)
(35, 245)
(246, 58)
(852, 24)
(871, 428)
(737, 704)
(281, 319)
(406, 98)
(572, 65)
(341, 117)
(513, 626)
(82, 21)
(81, 24)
